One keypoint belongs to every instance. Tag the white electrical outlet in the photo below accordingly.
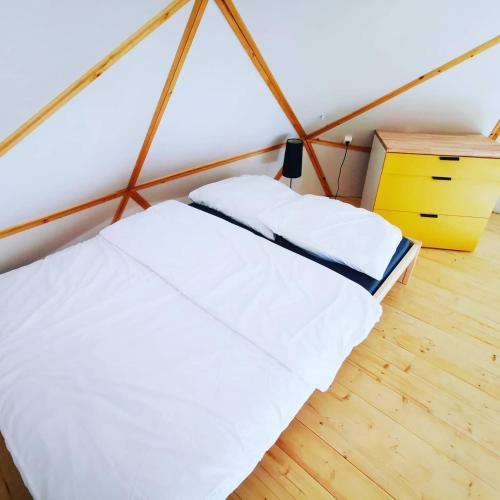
(347, 139)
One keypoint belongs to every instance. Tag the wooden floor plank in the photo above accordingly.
(457, 446)
(487, 247)
(286, 479)
(456, 413)
(292, 477)
(443, 381)
(472, 362)
(253, 488)
(480, 289)
(449, 312)
(332, 470)
(469, 265)
(403, 464)
(273, 487)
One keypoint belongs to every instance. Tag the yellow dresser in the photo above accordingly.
(439, 189)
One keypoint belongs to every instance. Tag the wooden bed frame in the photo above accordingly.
(402, 272)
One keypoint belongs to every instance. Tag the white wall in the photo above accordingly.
(328, 56)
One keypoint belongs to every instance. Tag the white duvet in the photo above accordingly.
(161, 359)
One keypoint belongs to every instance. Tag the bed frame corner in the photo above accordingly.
(402, 272)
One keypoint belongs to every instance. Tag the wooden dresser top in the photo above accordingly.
(435, 144)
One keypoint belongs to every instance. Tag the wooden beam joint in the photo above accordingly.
(241, 31)
(139, 199)
(125, 194)
(173, 74)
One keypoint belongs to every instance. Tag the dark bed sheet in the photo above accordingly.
(367, 282)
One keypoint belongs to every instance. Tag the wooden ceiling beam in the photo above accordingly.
(206, 166)
(121, 207)
(340, 145)
(168, 88)
(421, 79)
(92, 74)
(9, 231)
(317, 168)
(495, 132)
(243, 34)
(140, 200)
(175, 69)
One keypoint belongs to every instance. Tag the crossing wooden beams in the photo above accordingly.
(133, 192)
(175, 69)
(241, 31)
(140, 200)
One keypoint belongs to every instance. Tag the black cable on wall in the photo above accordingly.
(340, 169)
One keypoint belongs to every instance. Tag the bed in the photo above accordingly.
(407, 248)
(162, 358)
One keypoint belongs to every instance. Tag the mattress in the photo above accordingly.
(136, 366)
(367, 282)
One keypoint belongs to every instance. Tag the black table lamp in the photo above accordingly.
(292, 164)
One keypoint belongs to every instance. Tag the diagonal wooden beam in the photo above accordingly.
(243, 34)
(421, 79)
(140, 200)
(495, 132)
(179, 59)
(241, 31)
(207, 166)
(340, 145)
(317, 167)
(121, 207)
(175, 69)
(123, 192)
(92, 74)
(9, 231)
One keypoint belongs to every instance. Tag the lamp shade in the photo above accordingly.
(292, 164)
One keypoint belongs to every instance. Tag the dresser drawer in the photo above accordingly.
(445, 195)
(463, 167)
(443, 231)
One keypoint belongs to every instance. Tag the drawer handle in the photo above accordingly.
(450, 158)
(440, 178)
(431, 216)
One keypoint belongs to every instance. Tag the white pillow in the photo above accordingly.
(337, 231)
(243, 198)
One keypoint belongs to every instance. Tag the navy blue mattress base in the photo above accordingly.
(367, 282)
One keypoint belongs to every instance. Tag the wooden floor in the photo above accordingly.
(415, 410)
